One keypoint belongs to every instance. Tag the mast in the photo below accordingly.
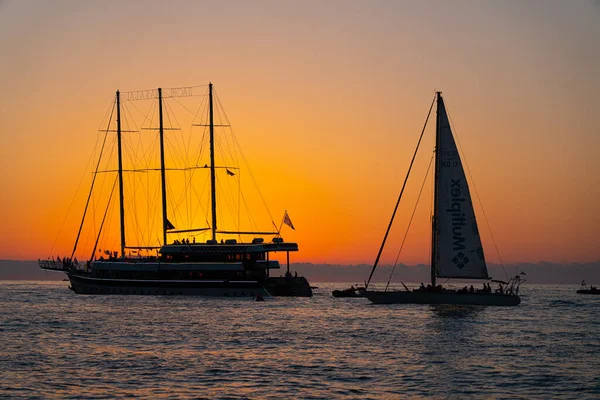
(162, 166)
(434, 233)
(212, 164)
(121, 203)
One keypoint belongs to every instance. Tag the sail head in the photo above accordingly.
(459, 251)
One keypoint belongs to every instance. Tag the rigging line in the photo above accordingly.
(147, 195)
(152, 212)
(188, 195)
(152, 195)
(252, 177)
(222, 114)
(136, 157)
(92, 156)
(189, 189)
(186, 136)
(202, 106)
(133, 157)
(225, 142)
(176, 214)
(221, 143)
(104, 218)
(229, 149)
(399, 197)
(136, 215)
(431, 205)
(239, 179)
(251, 221)
(145, 115)
(232, 182)
(174, 122)
(148, 117)
(182, 199)
(107, 229)
(199, 203)
(112, 147)
(204, 130)
(132, 182)
(176, 147)
(173, 148)
(143, 182)
(142, 159)
(410, 221)
(239, 150)
(224, 199)
(203, 145)
(477, 194)
(187, 142)
(93, 181)
(194, 157)
(185, 108)
(174, 208)
(198, 151)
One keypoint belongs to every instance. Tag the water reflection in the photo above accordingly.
(56, 344)
(452, 312)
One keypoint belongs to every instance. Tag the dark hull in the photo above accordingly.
(346, 293)
(82, 284)
(588, 291)
(289, 286)
(445, 297)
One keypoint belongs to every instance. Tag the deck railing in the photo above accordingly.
(59, 265)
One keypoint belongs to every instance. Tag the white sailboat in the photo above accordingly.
(457, 252)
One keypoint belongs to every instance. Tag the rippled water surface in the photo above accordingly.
(54, 343)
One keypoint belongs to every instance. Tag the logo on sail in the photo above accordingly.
(458, 216)
(460, 260)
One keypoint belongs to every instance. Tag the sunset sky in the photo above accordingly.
(327, 100)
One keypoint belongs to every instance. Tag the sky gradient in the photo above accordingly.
(327, 100)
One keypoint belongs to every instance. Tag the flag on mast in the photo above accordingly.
(169, 225)
(287, 220)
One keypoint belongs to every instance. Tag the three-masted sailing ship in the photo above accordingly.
(220, 266)
(457, 252)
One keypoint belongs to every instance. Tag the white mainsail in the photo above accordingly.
(459, 252)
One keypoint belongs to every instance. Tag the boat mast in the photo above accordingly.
(434, 232)
(212, 163)
(121, 203)
(162, 166)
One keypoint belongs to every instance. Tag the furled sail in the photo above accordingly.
(459, 252)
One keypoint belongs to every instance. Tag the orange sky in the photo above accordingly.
(327, 100)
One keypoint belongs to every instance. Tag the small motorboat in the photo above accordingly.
(592, 290)
(350, 292)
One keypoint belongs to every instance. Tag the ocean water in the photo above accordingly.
(55, 344)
